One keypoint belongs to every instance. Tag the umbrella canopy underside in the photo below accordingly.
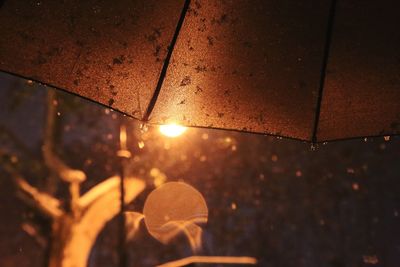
(311, 70)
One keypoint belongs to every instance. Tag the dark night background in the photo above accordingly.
(282, 201)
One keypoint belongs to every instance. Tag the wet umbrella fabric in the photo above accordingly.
(310, 70)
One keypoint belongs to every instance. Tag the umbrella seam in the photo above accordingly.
(164, 69)
(325, 57)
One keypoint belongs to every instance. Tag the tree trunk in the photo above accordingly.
(73, 238)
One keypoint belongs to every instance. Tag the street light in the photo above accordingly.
(172, 130)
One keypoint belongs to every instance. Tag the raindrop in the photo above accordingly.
(355, 186)
(158, 176)
(29, 82)
(141, 144)
(313, 147)
(365, 139)
(14, 159)
(233, 206)
(386, 138)
(88, 162)
(144, 128)
(204, 136)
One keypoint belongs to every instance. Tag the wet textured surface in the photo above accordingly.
(109, 51)
(362, 90)
(248, 66)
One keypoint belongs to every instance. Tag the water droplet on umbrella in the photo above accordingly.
(144, 128)
(386, 138)
(141, 144)
(313, 147)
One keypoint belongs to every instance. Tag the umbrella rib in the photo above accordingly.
(164, 69)
(328, 41)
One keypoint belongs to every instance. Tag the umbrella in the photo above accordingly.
(310, 70)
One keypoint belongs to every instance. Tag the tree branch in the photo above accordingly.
(43, 202)
(52, 161)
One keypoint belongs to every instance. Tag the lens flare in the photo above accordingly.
(172, 130)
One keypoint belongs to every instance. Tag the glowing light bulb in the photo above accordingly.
(172, 130)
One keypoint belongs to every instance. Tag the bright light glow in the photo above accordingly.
(172, 130)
